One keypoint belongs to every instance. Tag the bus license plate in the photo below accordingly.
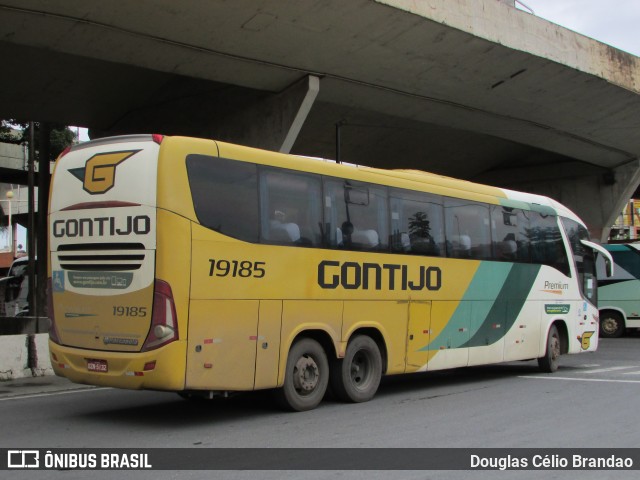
(94, 365)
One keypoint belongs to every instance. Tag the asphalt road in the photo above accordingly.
(589, 402)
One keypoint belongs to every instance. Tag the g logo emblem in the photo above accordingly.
(99, 173)
(585, 340)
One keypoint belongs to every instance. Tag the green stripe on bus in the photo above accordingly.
(477, 301)
(507, 307)
(489, 307)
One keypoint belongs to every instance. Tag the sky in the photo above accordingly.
(615, 22)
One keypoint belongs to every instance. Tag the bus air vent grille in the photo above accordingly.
(109, 257)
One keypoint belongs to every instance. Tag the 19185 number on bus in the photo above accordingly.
(236, 268)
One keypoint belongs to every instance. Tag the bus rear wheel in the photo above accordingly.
(611, 325)
(356, 377)
(549, 362)
(306, 376)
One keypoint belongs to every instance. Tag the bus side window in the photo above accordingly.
(356, 215)
(509, 230)
(468, 229)
(417, 225)
(290, 204)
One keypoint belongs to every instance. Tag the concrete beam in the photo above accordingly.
(597, 197)
(556, 167)
(271, 121)
(521, 31)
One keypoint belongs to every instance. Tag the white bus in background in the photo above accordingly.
(619, 295)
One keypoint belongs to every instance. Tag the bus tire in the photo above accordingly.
(356, 377)
(306, 377)
(549, 362)
(611, 325)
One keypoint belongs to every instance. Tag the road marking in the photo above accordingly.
(637, 372)
(610, 369)
(51, 394)
(581, 379)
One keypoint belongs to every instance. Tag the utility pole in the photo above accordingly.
(31, 223)
(43, 207)
(338, 140)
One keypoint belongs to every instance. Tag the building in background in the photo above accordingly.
(14, 207)
(627, 226)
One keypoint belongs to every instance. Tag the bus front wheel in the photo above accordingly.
(306, 376)
(549, 362)
(611, 325)
(356, 377)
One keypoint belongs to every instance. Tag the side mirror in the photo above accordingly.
(608, 259)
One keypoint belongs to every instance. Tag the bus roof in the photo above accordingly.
(402, 178)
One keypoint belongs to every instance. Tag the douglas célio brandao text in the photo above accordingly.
(550, 462)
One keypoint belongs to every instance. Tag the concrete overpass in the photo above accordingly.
(469, 88)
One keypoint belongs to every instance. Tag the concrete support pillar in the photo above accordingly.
(599, 199)
(274, 122)
(626, 180)
(313, 87)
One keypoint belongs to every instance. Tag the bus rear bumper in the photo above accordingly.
(161, 369)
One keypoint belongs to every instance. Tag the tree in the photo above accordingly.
(17, 132)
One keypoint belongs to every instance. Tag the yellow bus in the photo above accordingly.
(202, 267)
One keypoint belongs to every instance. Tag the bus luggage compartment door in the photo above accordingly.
(222, 344)
(418, 335)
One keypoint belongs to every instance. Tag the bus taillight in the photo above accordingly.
(164, 323)
(53, 333)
